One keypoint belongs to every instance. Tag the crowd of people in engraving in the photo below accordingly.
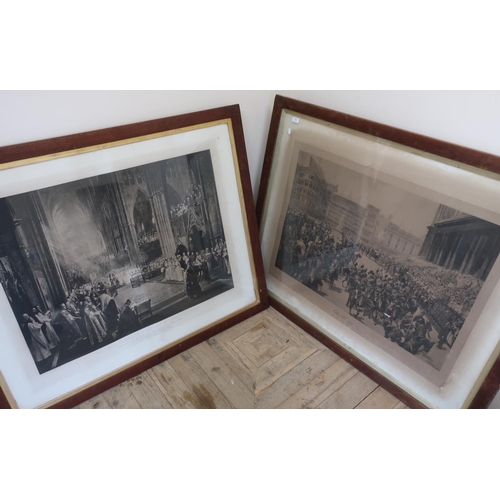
(90, 314)
(146, 237)
(401, 294)
(193, 198)
(105, 259)
(195, 267)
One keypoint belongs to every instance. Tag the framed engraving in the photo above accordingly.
(384, 244)
(120, 248)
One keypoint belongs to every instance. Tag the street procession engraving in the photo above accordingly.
(87, 263)
(401, 269)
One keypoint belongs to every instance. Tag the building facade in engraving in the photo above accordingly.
(395, 240)
(462, 242)
(311, 193)
(346, 215)
(371, 225)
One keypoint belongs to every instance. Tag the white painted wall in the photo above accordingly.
(32, 115)
(468, 118)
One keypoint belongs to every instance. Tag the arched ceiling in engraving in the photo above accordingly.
(74, 232)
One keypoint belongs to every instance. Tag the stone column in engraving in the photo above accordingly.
(153, 177)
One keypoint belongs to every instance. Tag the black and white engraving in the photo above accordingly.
(87, 263)
(406, 267)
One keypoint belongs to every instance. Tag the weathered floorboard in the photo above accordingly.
(234, 362)
(96, 403)
(299, 376)
(263, 362)
(379, 399)
(351, 393)
(195, 378)
(280, 365)
(228, 382)
(173, 388)
(147, 393)
(322, 387)
(121, 397)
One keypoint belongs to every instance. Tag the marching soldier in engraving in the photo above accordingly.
(417, 339)
(448, 329)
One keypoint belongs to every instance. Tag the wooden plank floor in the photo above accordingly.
(264, 362)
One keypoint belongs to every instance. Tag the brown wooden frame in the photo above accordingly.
(474, 158)
(176, 124)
